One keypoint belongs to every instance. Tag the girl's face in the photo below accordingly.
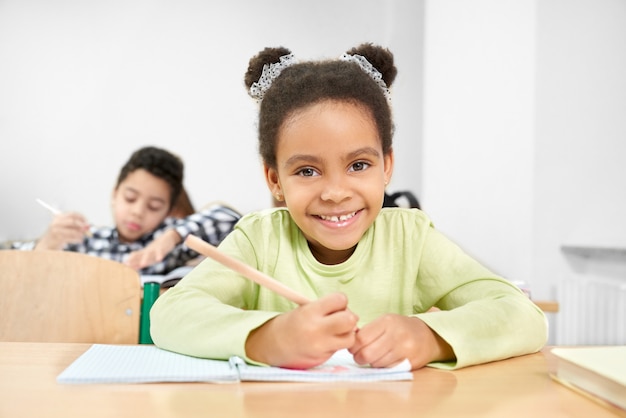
(332, 173)
(140, 203)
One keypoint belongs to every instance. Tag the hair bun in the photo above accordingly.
(256, 63)
(381, 58)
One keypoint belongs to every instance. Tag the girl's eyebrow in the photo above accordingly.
(365, 150)
(305, 158)
(301, 158)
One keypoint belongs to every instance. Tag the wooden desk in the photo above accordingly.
(518, 387)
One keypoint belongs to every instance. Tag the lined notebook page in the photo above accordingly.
(149, 364)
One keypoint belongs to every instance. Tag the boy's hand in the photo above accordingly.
(155, 251)
(305, 337)
(390, 339)
(65, 228)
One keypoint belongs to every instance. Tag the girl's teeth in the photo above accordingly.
(337, 218)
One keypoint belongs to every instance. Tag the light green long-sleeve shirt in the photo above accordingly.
(401, 265)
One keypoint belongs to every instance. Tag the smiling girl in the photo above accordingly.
(386, 284)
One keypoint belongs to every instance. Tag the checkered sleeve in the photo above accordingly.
(211, 224)
(29, 245)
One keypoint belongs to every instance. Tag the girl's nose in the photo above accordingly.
(335, 190)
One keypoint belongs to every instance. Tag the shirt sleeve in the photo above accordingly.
(28, 245)
(207, 314)
(483, 316)
(211, 224)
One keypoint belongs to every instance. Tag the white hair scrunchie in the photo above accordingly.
(368, 69)
(272, 71)
(269, 74)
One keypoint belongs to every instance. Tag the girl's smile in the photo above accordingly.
(338, 221)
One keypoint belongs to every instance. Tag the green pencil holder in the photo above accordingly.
(150, 295)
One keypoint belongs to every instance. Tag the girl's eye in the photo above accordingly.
(307, 172)
(359, 166)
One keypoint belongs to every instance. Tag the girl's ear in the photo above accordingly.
(273, 182)
(388, 168)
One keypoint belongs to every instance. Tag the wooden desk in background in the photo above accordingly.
(518, 387)
(548, 306)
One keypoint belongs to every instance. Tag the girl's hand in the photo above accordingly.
(390, 339)
(155, 251)
(65, 228)
(305, 337)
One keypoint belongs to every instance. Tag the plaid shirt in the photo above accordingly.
(211, 224)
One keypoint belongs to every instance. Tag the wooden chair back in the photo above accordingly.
(63, 296)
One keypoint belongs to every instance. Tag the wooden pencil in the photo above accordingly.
(245, 270)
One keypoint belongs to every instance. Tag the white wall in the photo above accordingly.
(580, 183)
(580, 163)
(525, 136)
(85, 83)
(479, 128)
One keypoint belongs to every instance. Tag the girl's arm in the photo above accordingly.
(482, 316)
(211, 311)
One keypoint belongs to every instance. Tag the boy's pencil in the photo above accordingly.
(55, 211)
(245, 270)
(52, 209)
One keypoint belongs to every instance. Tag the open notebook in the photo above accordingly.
(149, 364)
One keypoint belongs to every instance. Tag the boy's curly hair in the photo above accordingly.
(158, 162)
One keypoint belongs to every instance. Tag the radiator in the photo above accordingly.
(592, 312)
